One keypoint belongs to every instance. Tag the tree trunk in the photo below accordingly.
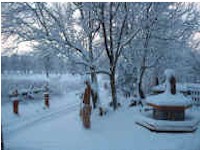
(141, 93)
(47, 71)
(2, 142)
(157, 81)
(94, 91)
(47, 65)
(113, 90)
(94, 98)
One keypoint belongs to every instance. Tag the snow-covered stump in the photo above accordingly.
(46, 99)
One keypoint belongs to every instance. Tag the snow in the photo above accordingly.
(15, 98)
(60, 126)
(183, 87)
(31, 110)
(169, 73)
(167, 99)
(188, 122)
(188, 125)
(116, 131)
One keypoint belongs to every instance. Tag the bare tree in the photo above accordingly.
(68, 29)
(114, 21)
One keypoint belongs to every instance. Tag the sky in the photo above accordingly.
(10, 46)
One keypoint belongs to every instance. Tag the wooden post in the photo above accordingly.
(16, 106)
(86, 110)
(86, 116)
(87, 94)
(15, 100)
(46, 99)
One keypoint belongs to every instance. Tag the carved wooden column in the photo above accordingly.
(86, 110)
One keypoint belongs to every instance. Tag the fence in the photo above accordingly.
(194, 94)
(189, 79)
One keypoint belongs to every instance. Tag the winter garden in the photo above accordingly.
(100, 76)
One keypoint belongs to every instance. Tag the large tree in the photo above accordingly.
(144, 36)
(117, 32)
(68, 29)
(165, 33)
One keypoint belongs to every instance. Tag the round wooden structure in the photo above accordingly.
(168, 110)
(175, 113)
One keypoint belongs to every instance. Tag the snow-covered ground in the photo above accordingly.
(32, 110)
(60, 127)
(180, 86)
(116, 131)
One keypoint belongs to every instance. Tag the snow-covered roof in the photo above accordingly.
(166, 99)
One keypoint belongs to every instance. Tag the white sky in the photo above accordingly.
(25, 46)
(11, 46)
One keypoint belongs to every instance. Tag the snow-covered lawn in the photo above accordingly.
(116, 131)
(60, 127)
(33, 110)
